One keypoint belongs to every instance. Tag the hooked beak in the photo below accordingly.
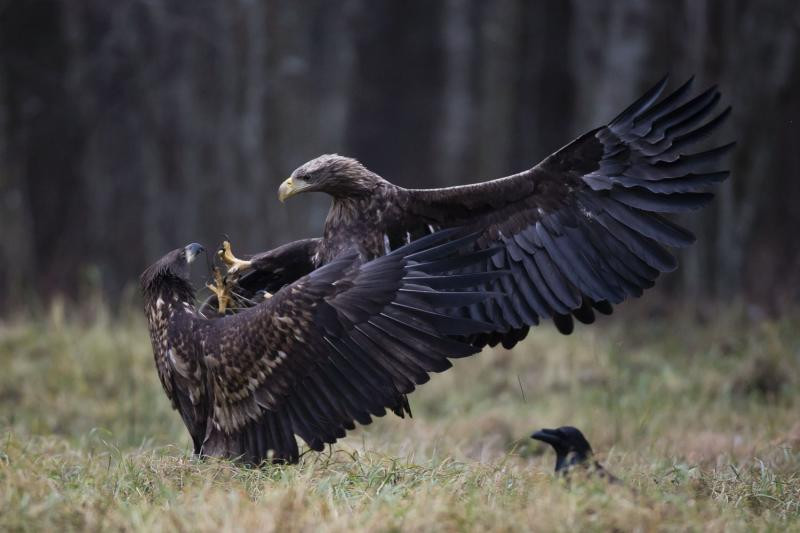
(290, 187)
(192, 251)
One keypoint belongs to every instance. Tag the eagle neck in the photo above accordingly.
(346, 210)
(357, 221)
(170, 294)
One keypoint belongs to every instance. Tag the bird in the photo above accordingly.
(338, 346)
(581, 231)
(573, 451)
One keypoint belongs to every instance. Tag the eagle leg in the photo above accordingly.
(235, 265)
(221, 289)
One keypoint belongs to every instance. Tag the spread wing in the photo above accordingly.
(338, 346)
(583, 228)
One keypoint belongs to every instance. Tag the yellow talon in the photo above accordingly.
(234, 263)
(220, 288)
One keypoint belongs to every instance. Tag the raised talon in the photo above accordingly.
(220, 288)
(234, 263)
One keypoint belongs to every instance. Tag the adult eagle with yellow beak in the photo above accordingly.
(580, 231)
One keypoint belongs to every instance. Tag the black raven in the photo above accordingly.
(572, 451)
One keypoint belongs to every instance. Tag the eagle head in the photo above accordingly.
(170, 269)
(334, 174)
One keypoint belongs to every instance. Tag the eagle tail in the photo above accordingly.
(271, 437)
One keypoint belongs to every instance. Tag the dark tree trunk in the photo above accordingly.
(130, 128)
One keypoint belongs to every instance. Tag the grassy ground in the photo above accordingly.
(702, 422)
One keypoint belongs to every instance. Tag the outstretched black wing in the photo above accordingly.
(336, 347)
(583, 228)
(272, 270)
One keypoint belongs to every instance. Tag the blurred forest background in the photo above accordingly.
(131, 127)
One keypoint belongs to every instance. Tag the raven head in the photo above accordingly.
(570, 445)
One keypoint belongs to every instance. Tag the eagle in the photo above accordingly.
(341, 344)
(581, 231)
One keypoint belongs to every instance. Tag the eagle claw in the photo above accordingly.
(221, 290)
(235, 265)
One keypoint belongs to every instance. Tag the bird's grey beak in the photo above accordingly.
(290, 187)
(192, 251)
(547, 435)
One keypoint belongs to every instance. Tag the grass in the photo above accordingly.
(700, 421)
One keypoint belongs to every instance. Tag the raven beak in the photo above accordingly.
(192, 251)
(289, 188)
(547, 435)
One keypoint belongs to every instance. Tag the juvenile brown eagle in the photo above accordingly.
(337, 346)
(580, 231)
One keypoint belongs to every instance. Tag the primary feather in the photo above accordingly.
(580, 231)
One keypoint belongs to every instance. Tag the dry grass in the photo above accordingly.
(701, 422)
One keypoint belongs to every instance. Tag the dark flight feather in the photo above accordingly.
(340, 345)
(584, 225)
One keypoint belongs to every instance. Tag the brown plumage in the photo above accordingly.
(337, 346)
(580, 231)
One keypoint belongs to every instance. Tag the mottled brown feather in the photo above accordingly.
(298, 364)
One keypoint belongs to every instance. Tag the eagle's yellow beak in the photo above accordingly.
(289, 188)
